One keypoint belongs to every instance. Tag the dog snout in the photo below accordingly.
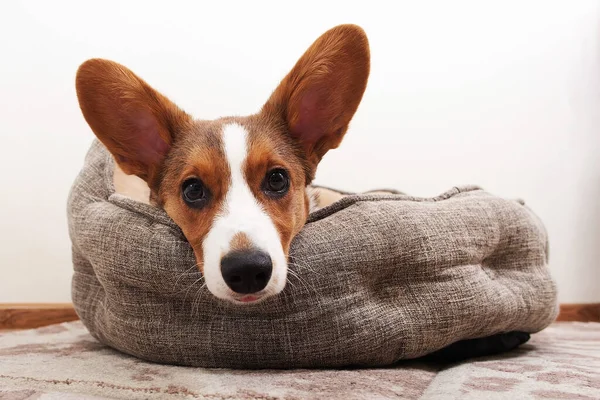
(246, 271)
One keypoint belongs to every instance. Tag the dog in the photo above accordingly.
(238, 187)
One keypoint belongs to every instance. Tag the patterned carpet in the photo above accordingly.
(65, 362)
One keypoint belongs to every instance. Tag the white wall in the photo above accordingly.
(502, 94)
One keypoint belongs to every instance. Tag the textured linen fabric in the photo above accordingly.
(373, 279)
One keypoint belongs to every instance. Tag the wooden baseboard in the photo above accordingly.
(579, 312)
(28, 316)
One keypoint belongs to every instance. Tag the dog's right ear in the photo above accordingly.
(135, 122)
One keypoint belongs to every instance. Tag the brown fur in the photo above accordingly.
(135, 122)
(240, 242)
(307, 115)
(267, 151)
(320, 95)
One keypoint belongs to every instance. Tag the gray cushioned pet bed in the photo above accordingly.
(375, 279)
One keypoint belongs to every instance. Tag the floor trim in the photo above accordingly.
(30, 315)
(579, 312)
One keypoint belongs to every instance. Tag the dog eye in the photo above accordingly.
(194, 192)
(276, 183)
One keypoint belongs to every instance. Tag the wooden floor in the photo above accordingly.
(27, 316)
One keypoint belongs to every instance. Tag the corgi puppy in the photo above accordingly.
(238, 187)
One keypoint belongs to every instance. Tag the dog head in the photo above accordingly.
(236, 186)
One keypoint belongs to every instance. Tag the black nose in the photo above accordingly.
(246, 271)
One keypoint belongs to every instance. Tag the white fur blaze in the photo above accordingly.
(241, 213)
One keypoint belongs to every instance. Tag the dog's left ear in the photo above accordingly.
(320, 95)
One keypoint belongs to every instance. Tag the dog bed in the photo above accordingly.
(374, 278)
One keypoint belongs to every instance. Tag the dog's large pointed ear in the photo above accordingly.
(320, 95)
(135, 122)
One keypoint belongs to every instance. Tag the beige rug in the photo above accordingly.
(65, 362)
